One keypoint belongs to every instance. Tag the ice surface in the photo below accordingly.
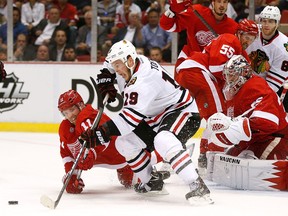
(31, 166)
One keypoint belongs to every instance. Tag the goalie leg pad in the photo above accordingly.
(250, 174)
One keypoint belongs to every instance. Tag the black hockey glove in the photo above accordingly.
(95, 137)
(2, 72)
(105, 84)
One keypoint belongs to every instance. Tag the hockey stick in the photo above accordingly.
(47, 201)
(205, 22)
(285, 88)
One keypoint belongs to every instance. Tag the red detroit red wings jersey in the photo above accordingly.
(70, 146)
(220, 50)
(268, 116)
(198, 35)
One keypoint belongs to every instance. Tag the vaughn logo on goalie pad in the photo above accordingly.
(10, 93)
(230, 160)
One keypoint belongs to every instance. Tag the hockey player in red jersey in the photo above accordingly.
(255, 119)
(78, 118)
(152, 100)
(181, 16)
(201, 73)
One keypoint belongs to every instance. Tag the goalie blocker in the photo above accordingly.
(247, 173)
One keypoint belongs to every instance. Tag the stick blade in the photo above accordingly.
(47, 202)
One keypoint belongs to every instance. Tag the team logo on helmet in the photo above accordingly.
(10, 93)
(259, 61)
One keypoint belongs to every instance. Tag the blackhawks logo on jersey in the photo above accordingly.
(259, 61)
(286, 46)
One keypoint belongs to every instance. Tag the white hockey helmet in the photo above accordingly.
(235, 72)
(270, 12)
(121, 51)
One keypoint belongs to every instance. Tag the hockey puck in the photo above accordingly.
(13, 202)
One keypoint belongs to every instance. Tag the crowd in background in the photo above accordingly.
(60, 30)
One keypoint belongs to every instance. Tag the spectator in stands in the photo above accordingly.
(283, 5)
(3, 54)
(32, 12)
(154, 35)
(70, 54)
(140, 51)
(45, 30)
(155, 54)
(122, 13)
(18, 28)
(68, 12)
(56, 50)
(42, 53)
(22, 50)
(107, 12)
(83, 41)
(132, 32)
(3, 8)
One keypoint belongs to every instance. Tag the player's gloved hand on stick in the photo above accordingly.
(2, 72)
(75, 186)
(105, 83)
(87, 162)
(95, 137)
(176, 7)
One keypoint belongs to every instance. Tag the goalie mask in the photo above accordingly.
(69, 99)
(235, 72)
(121, 51)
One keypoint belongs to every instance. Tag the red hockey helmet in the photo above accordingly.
(68, 99)
(248, 26)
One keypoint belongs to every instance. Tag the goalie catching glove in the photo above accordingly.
(95, 137)
(105, 84)
(227, 131)
(75, 186)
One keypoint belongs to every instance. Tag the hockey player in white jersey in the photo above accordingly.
(269, 52)
(152, 100)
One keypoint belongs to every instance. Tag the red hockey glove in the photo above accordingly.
(75, 186)
(88, 162)
(176, 7)
(95, 137)
(105, 83)
(2, 72)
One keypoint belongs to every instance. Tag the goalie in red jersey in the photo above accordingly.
(78, 118)
(255, 127)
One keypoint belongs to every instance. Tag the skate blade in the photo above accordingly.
(199, 201)
(155, 193)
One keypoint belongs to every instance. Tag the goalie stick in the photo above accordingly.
(47, 201)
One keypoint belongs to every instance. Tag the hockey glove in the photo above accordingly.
(2, 72)
(75, 186)
(88, 162)
(238, 130)
(176, 7)
(105, 84)
(95, 137)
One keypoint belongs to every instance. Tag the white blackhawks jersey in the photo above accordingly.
(269, 59)
(150, 94)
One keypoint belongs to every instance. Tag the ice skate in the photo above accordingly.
(154, 186)
(166, 167)
(199, 194)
